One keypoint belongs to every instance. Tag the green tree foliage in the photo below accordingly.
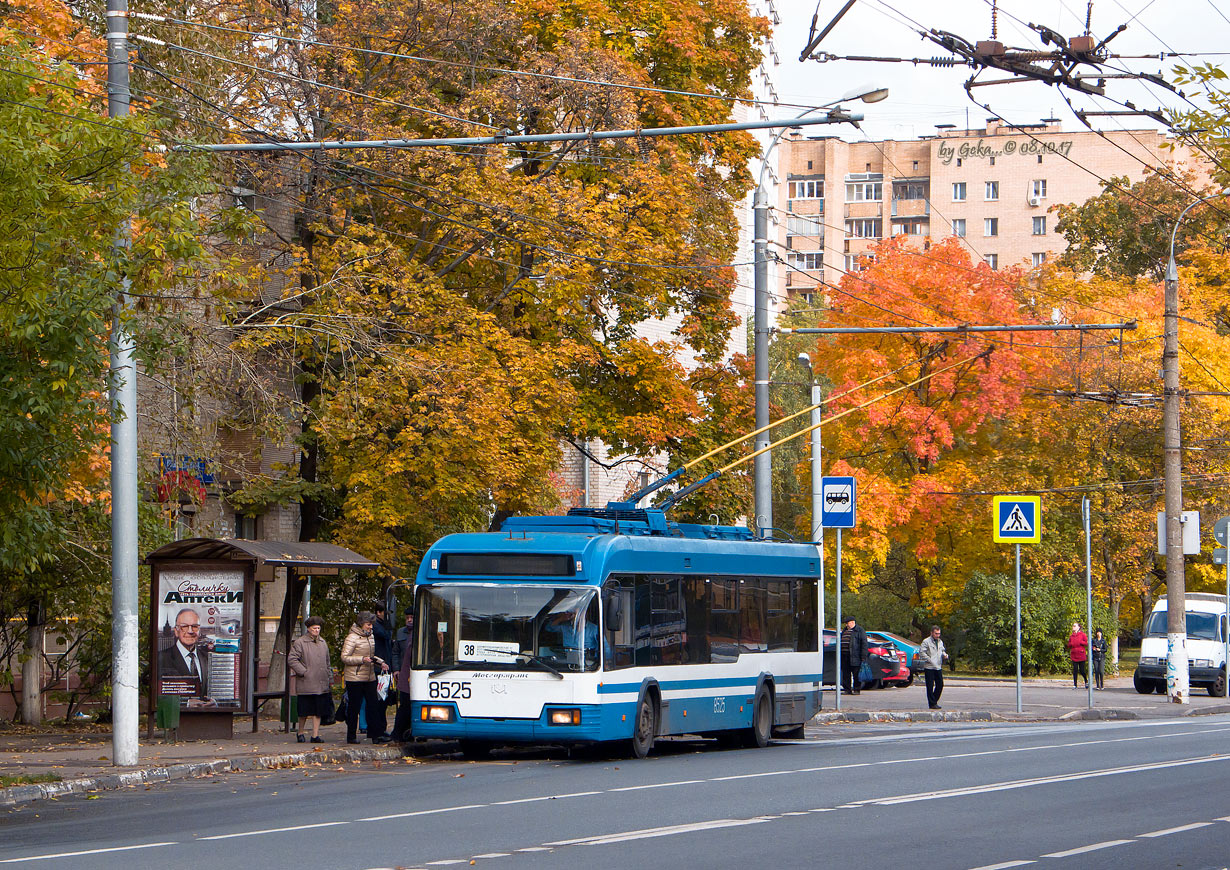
(1049, 605)
(1124, 232)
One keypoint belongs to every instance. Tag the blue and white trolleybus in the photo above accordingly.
(608, 625)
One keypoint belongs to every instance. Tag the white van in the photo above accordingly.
(1206, 645)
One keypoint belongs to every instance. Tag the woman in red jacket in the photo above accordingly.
(1078, 651)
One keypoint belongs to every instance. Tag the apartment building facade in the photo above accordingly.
(994, 187)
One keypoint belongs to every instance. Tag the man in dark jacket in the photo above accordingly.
(403, 643)
(377, 721)
(853, 655)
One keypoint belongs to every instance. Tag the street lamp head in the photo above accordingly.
(868, 93)
(804, 360)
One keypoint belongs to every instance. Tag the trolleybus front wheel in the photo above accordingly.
(645, 728)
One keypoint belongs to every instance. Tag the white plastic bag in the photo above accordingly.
(383, 683)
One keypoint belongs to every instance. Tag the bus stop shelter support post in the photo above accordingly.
(837, 677)
(1088, 606)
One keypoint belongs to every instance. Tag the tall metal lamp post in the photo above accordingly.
(1177, 683)
(763, 468)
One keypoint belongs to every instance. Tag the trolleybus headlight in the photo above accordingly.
(566, 717)
(436, 714)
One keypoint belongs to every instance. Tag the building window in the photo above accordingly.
(804, 225)
(958, 191)
(992, 260)
(809, 164)
(865, 191)
(1037, 189)
(865, 228)
(958, 161)
(958, 227)
(1040, 226)
(812, 189)
(910, 228)
(992, 159)
(992, 190)
(1039, 158)
(915, 165)
(909, 190)
(1038, 259)
(990, 227)
(809, 261)
(854, 263)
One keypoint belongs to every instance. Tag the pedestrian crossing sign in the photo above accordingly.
(1018, 519)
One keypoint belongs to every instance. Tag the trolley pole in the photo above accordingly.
(125, 747)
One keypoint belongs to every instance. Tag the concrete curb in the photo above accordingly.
(919, 716)
(43, 790)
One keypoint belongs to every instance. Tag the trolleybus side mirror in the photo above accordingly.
(613, 607)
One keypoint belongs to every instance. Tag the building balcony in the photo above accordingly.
(911, 208)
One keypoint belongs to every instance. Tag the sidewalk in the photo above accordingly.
(80, 756)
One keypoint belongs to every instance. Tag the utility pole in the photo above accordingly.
(763, 488)
(125, 747)
(1178, 685)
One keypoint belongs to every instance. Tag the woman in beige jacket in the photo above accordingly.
(360, 666)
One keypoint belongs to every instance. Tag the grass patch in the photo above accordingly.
(6, 781)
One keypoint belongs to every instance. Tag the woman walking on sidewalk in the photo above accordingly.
(1078, 651)
(309, 662)
(1098, 647)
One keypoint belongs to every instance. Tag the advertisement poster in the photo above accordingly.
(200, 625)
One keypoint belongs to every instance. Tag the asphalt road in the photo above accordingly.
(1095, 794)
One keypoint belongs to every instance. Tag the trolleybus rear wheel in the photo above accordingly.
(762, 720)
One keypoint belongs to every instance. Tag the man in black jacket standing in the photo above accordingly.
(377, 721)
(853, 655)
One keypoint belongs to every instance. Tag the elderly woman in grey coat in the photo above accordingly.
(309, 662)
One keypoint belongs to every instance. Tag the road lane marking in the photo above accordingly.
(1004, 866)
(657, 785)
(667, 831)
(1080, 850)
(545, 797)
(272, 831)
(1178, 830)
(87, 852)
(1044, 780)
(421, 813)
(1223, 819)
(493, 855)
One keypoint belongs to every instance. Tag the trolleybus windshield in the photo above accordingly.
(508, 626)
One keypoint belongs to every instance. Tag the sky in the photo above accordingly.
(923, 96)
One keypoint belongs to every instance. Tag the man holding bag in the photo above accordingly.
(933, 655)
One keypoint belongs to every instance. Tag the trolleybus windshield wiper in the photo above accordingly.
(539, 660)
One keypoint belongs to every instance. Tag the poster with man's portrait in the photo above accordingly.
(200, 625)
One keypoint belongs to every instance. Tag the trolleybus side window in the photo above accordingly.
(723, 619)
(805, 613)
(751, 615)
(779, 619)
(695, 593)
(669, 622)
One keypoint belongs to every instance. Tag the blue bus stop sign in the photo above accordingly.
(837, 502)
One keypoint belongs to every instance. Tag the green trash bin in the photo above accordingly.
(166, 714)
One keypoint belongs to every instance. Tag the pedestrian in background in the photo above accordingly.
(933, 656)
(403, 643)
(1078, 651)
(853, 655)
(382, 634)
(1098, 647)
(359, 673)
(309, 661)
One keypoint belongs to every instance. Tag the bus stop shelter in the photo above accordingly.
(217, 584)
